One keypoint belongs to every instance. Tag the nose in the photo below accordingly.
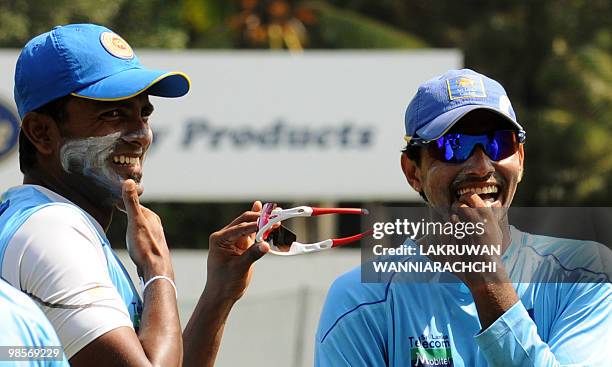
(479, 164)
(138, 133)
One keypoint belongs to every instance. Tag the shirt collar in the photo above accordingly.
(55, 197)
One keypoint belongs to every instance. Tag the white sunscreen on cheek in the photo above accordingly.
(90, 157)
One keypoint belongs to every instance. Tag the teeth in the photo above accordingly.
(121, 159)
(478, 190)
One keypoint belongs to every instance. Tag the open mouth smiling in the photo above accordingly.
(487, 192)
(128, 165)
(126, 160)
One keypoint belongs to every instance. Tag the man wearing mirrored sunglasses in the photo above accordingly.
(465, 155)
(83, 98)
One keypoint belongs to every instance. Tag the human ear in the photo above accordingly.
(42, 131)
(412, 172)
(521, 152)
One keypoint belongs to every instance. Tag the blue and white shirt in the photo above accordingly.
(59, 255)
(436, 324)
(24, 325)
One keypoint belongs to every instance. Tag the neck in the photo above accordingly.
(505, 228)
(102, 213)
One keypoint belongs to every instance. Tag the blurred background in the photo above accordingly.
(302, 102)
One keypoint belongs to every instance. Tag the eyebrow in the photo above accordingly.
(123, 104)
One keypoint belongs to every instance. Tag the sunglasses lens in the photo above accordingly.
(281, 239)
(503, 145)
(457, 148)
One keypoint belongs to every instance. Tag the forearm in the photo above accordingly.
(492, 292)
(492, 300)
(202, 336)
(160, 329)
(229, 270)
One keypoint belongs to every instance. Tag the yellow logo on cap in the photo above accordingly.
(465, 82)
(116, 46)
(466, 86)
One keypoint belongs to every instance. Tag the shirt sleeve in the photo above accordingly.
(58, 260)
(352, 327)
(578, 336)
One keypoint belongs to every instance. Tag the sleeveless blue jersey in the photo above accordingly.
(19, 203)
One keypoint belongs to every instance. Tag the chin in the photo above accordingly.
(117, 199)
(115, 194)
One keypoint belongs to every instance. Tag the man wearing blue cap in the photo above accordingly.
(465, 156)
(83, 98)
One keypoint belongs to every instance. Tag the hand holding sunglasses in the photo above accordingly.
(283, 242)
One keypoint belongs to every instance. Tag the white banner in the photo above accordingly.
(275, 126)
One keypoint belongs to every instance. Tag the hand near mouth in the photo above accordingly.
(493, 292)
(470, 207)
(145, 236)
(478, 239)
(471, 199)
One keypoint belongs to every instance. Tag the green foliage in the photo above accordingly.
(337, 28)
(20, 20)
(575, 126)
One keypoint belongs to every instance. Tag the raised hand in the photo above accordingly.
(145, 236)
(232, 254)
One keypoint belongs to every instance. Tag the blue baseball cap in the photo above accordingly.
(88, 61)
(442, 101)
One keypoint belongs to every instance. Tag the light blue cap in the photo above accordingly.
(88, 61)
(442, 101)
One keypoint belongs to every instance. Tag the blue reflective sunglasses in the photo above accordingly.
(457, 147)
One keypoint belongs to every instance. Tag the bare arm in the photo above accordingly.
(158, 342)
(230, 267)
(493, 292)
(202, 336)
(493, 297)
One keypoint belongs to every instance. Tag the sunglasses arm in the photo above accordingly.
(337, 242)
(307, 211)
(323, 211)
(279, 215)
(302, 248)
